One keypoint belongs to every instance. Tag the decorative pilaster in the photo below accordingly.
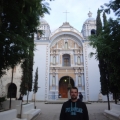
(50, 80)
(51, 59)
(57, 59)
(57, 82)
(86, 72)
(76, 79)
(46, 75)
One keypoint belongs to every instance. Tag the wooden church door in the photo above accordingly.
(63, 86)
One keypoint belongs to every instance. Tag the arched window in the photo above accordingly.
(54, 60)
(12, 90)
(93, 32)
(78, 60)
(53, 81)
(66, 45)
(79, 81)
(66, 60)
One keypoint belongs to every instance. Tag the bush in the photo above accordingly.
(2, 99)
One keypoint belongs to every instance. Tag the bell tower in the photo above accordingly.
(89, 26)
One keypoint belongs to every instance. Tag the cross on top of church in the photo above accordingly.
(90, 14)
(66, 14)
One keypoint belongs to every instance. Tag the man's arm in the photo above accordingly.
(62, 113)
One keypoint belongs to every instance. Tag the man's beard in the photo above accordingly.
(73, 98)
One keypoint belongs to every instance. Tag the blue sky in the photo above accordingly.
(78, 12)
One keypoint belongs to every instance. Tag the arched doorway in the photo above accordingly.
(93, 32)
(12, 89)
(63, 86)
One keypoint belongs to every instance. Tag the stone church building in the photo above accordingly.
(63, 60)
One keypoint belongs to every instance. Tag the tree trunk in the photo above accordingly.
(27, 96)
(21, 110)
(34, 101)
(115, 98)
(108, 101)
(11, 91)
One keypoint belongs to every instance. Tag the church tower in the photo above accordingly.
(45, 28)
(41, 59)
(89, 26)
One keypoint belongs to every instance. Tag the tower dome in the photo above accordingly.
(43, 21)
(89, 26)
(45, 28)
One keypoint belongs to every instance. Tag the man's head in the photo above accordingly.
(74, 93)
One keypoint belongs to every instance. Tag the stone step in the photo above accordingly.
(61, 101)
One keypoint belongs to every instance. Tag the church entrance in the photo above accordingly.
(64, 84)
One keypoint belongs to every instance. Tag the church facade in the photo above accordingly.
(63, 60)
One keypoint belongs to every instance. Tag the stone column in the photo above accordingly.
(56, 93)
(82, 80)
(60, 59)
(50, 81)
(57, 59)
(80, 58)
(56, 84)
(76, 79)
(75, 45)
(75, 59)
(57, 45)
(71, 60)
(51, 59)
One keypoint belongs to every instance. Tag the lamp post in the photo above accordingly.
(69, 87)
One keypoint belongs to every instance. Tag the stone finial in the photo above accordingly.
(90, 14)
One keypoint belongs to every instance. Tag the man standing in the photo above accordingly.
(73, 109)
(80, 96)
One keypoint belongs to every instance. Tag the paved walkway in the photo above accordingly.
(52, 111)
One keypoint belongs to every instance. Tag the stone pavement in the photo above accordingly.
(52, 111)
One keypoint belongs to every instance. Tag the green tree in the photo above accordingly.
(98, 23)
(113, 35)
(18, 23)
(96, 42)
(107, 46)
(112, 5)
(25, 77)
(104, 78)
(104, 19)
(35, 88)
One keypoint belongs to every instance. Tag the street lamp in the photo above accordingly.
(69, 85)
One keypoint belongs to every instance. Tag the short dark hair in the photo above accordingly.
(74, 88)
